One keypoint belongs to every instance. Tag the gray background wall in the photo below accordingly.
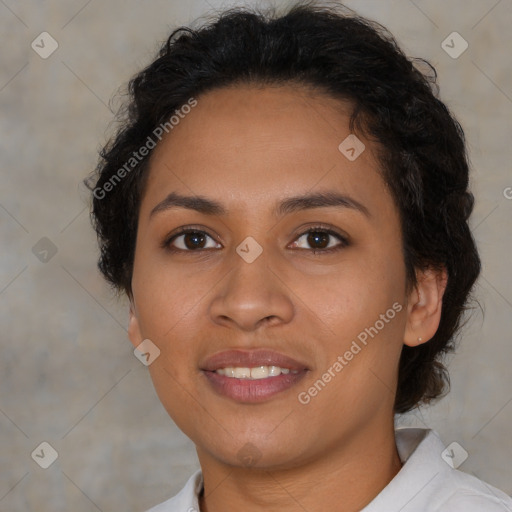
(68, 374)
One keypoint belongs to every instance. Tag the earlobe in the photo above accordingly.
(134, 332)
(425, 306)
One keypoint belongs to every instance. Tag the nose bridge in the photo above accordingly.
(251, 291)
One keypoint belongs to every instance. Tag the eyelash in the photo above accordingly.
(166, 244)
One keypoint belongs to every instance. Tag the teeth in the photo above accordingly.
(241, 373)
(258, 372)
(273, 371)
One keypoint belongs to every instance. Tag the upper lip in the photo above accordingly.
(250, 359)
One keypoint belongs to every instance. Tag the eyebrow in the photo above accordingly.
(289, 205)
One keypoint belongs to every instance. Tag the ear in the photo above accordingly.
(134, 332)
(424, 306)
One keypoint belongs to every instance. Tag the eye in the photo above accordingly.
(321, 240)
(190, 240)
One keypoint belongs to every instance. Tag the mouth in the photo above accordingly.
(252, 376)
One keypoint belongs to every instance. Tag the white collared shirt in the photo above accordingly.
(426, 483)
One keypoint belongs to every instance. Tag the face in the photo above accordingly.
(263, 281)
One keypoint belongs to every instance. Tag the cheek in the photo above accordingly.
(171, 383)
(363, 304)
(167, 295)
(354, 294)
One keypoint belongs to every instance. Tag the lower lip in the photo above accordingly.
(252, 390)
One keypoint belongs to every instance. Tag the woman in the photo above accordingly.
(286, 207)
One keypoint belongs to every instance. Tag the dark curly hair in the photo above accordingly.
(421, 146)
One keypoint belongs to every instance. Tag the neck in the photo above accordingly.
(346, 478)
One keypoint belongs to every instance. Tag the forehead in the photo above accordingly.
(246, 144)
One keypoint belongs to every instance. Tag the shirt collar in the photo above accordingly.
(420, 453)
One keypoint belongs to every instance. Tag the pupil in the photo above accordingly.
(197, 240)
(321, 240)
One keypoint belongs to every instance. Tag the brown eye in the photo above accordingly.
(321, 240)
(318, 239)
(191, 240)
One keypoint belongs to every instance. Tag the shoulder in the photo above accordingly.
(466, 493)
(452, 490)
(463, 501)
(429, 482)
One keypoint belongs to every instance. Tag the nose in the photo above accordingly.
(252, 295)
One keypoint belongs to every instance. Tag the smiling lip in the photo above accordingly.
(247, 390)
(250, 359)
